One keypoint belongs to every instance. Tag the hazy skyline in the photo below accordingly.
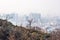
(25, 7)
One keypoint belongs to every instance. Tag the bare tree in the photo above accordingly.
(30, 23)
(7, 17)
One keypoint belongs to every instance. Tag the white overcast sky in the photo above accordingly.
(23, 7)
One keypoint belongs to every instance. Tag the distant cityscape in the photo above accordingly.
(39, 21)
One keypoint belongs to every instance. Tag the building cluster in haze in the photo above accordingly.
(45, 23)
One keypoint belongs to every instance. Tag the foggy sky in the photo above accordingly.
(25, 7)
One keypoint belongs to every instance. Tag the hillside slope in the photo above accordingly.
(10, 32)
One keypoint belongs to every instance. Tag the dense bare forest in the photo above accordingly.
(8, 31)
